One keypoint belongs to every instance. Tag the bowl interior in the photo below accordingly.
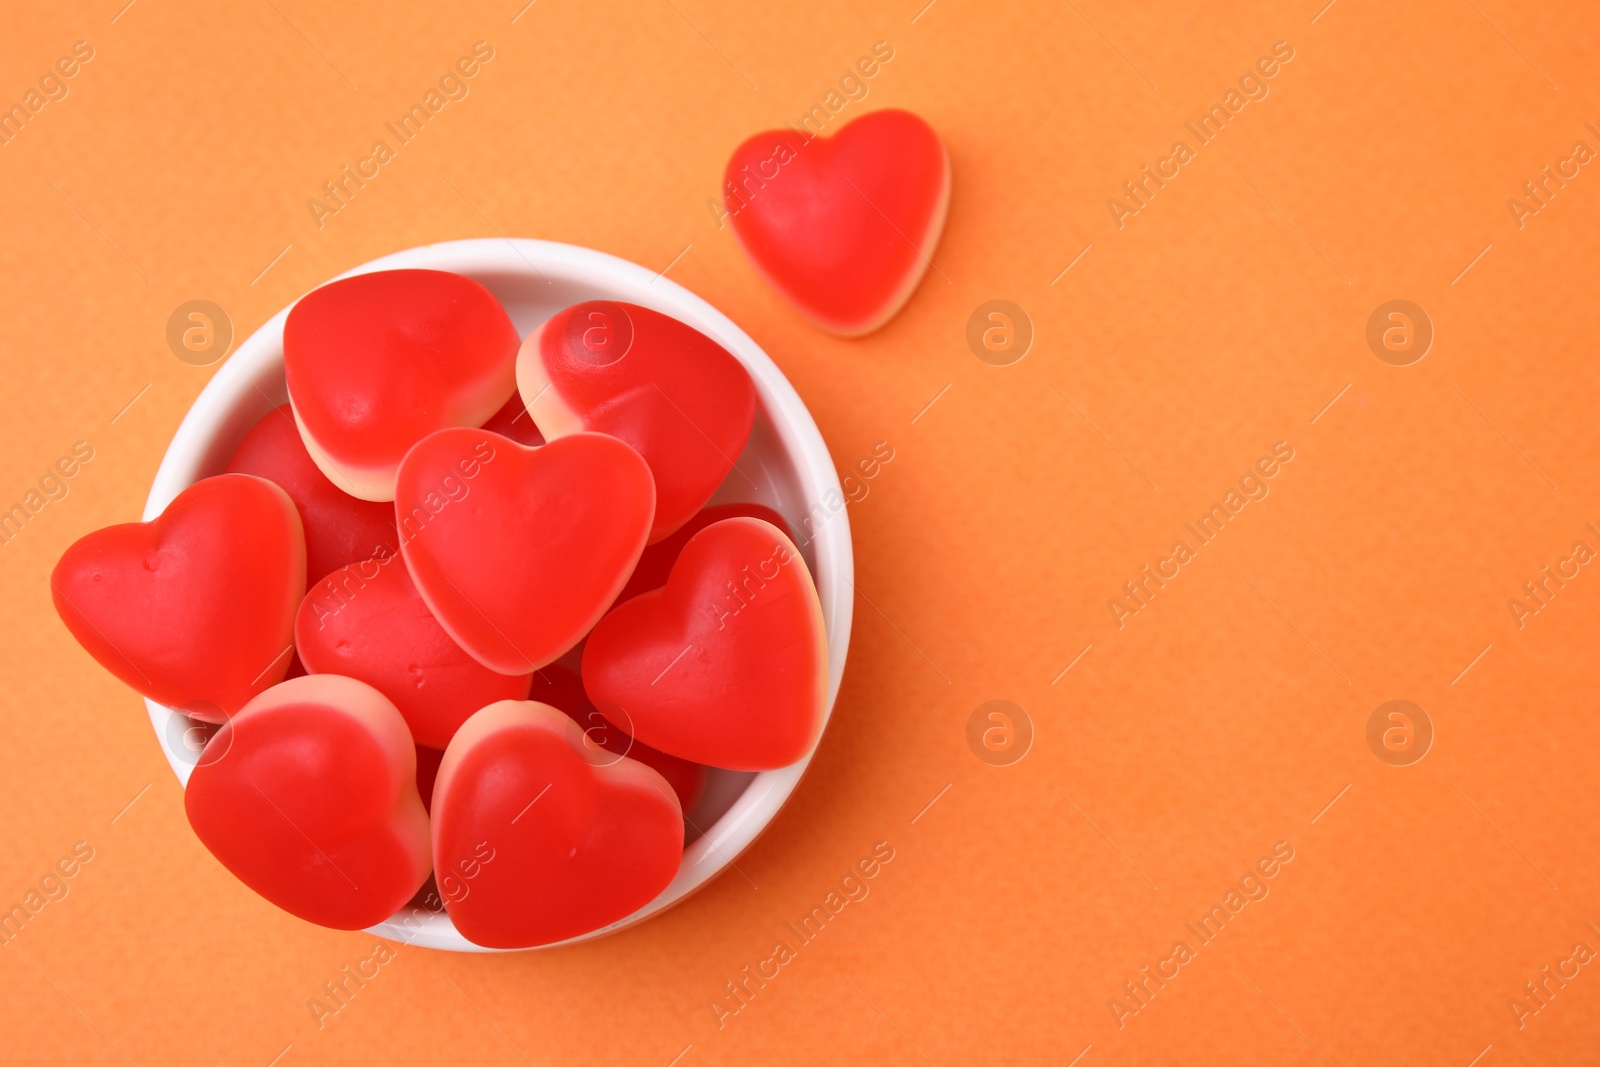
(785, 465)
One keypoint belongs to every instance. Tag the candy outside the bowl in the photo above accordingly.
(843, 227)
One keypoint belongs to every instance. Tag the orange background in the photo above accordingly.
(1224, 717)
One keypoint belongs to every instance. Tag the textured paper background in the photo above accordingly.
(1226, 315)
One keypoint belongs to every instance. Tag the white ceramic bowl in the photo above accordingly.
(786, 460)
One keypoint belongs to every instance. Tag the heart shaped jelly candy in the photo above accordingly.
(519, 551)
(309, 796)
(727, 664)
(378, 361)
(843, 226)
(339, 528)
(656, 562)
(194, 609)
(680, 399)
(562, 689)
(543, 838)
(368, 621)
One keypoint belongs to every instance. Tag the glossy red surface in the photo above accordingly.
(368, 621)
(339, 528)
(376, 362)
(562, 689)
(844, 226)
(681, 400)
(309, 797)
(656, 562)
(194, 609)
(518, 551)
(727, 664)
(537, 838)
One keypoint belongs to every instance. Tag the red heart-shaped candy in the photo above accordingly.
(519, 551)
(842, 226)
(194, 609)
(309, 796)
(680, 399)
(339, 528)
(727, 664)
(368, 621)
(377, 362)
(656, 562)
(562, 689)
(540, 837)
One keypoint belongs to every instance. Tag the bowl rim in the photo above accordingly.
(259, 359)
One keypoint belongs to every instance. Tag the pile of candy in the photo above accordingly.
(460, 609)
